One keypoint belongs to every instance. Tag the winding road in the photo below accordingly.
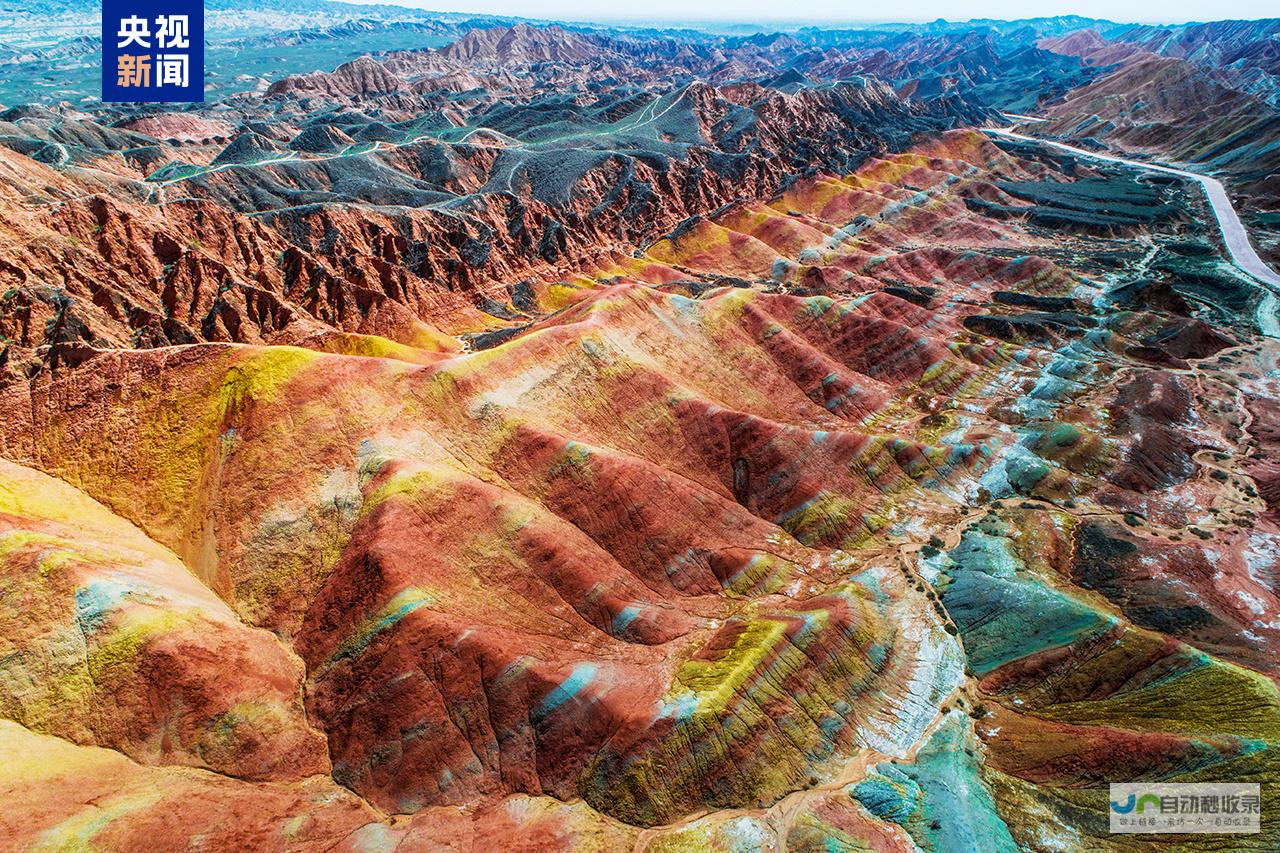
(1234, 234)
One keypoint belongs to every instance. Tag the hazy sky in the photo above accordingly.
(844, 10)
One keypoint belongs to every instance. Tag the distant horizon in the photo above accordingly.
(752, 13)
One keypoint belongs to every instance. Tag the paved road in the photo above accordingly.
(1233, 231)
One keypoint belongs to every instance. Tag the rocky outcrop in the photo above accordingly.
(1218, 79)
(117, 645)
(359, 226)
(363, 77)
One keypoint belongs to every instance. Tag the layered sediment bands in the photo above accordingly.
(111, 641)
(1087, 695)
(138, 276)
(506, 584)
(1218, 79)
(77, 794)
(857, 514)
(1258, 391)
(287, 233)
(1201, 594)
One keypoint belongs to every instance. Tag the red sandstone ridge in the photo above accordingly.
(521, 45)
(208, 692)
(182, 128)
(1093, 48)
(281, 239)
(1153, 89)
(1203, 94)
(361, 77)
